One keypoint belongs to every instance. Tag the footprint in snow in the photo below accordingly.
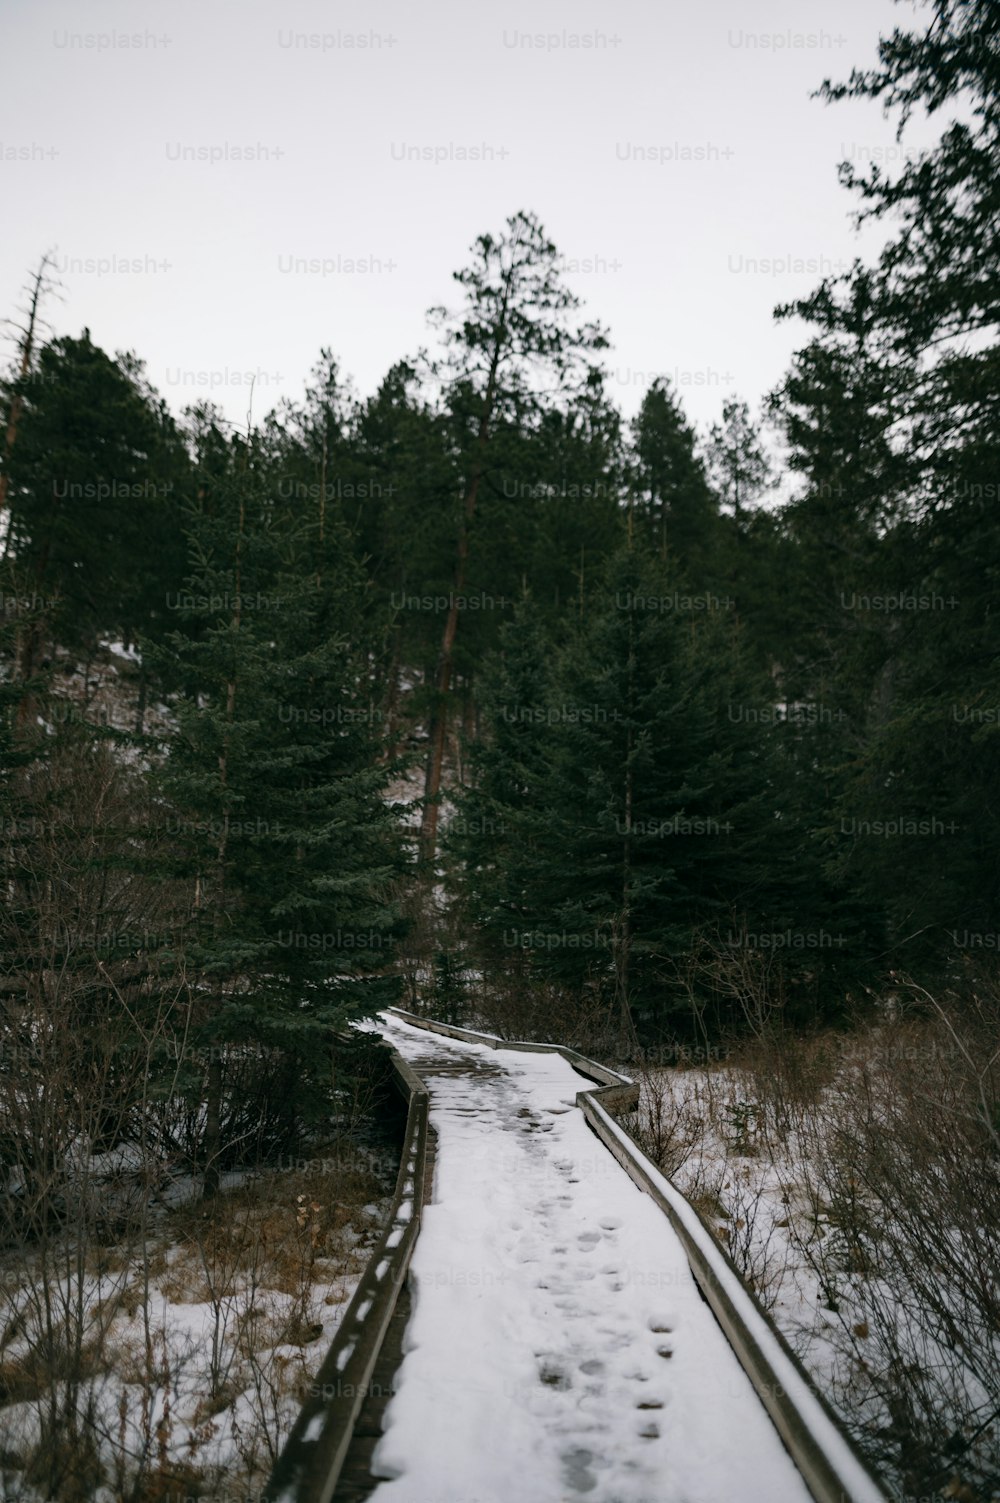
(615, 1341)
(663, 1322)
(610, 1223)
(574, 1310)
(576, 1470)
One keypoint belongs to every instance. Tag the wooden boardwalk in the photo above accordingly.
(557, 1344)
(551, 1340)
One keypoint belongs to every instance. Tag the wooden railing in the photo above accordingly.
(310, 1464)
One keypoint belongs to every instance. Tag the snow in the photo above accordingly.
(558, 1343)
(225, 1442)
(760, 1177)
(791, 1381)
(131, 654)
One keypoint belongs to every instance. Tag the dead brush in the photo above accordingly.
(900, 1163)
(785, 1075)
(260, 1226)
(668, 1125)
(760, 1256)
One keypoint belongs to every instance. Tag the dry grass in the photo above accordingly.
(866, 1166)
(269, 1263)
(273, 1228)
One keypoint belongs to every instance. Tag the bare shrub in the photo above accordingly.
(761, 1257)
(100, 1123)
(904, 1171)
(81, 1018)
(785, 1077)
(669, 1124)
(514, 1005)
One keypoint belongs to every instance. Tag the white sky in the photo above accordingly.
(662, 244)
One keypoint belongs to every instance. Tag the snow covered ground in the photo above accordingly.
(559, 1346)
(784, 1167)
(237, 1329)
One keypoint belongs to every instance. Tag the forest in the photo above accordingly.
(475, 697)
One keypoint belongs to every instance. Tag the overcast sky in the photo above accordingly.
(671, 151)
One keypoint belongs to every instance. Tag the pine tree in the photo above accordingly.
(674, 505)
(898, 414)
(95, 483)
(738, 465)
(630, 804)
(496, 841)
(277, 792)
(407, 534)
(514, 345)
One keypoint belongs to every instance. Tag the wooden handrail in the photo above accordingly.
(312, 1458)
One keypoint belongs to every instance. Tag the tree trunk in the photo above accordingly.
(439, 709)
(392, 746)
(625, 927)
(140, 709)
(26, 646)
(213, 1098)
(38, 287)
(213, 1125)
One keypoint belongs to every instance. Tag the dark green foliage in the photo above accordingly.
(96, 483)
(632, 799)
(275, 781)
(674, 504)
(893, 413)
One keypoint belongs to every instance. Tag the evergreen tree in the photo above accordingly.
(502, 827)
(632, 804)
(94, 496)
(673, 501)
(901, 381)
(514, 347)
(276, 787)
(738, 465)
(407, 534)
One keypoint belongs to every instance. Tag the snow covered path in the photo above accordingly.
(558, 1348)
